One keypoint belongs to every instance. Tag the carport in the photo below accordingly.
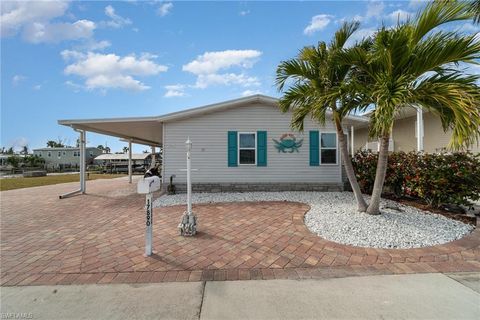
(141, 130)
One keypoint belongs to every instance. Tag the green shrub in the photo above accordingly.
(438, 178)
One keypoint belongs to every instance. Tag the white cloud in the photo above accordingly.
(318, 22)
(106, 71)
(175, 90)
(415, 4)
(44, 32)
(375, 9)
(399, 16)
(250, 92)
(16, 79)
(18, 143)
(33, 20)
(469, 27)
(117, 21)
(244, 12)
(212, 62)
(226, 79)
(75, 86)
(92, 45)
(358, 18)
(17, 14)
(359, 35)
(207, 68)
(164, 9)
(37, 87)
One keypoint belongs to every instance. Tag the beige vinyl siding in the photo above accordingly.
(435, 137)
(209, 154)
(405, 139)
(360, 138)
(403, 135)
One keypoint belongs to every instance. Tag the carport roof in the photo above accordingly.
(149, 130)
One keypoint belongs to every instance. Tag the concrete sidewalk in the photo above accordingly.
(414, 296)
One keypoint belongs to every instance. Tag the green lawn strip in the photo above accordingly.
(18, 183)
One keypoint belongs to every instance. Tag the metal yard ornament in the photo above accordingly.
(188, 224)
(288, 143)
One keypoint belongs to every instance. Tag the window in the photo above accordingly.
(59, 154)
(328, 148)
(247, 148)
(49, 154)
(64, 153)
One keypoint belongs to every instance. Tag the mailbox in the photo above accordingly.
(148, 185)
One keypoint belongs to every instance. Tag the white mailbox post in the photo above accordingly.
(148, 186)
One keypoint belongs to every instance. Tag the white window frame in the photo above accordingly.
(59, 154)
(239, 148)
(322, 148)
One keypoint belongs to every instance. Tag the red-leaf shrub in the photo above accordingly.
(438, 178)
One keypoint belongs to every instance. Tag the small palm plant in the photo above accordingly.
(414, 65)
(317, 84)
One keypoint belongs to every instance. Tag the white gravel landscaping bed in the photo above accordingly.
(333, 216)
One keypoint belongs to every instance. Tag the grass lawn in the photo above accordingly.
(17, 183)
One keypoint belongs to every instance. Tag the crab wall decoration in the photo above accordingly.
(288, 143)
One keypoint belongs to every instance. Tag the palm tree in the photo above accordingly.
(320, 85)
(410, 65)
(475, 7)
(125, 149)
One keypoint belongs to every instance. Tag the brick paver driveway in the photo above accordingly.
(99, 238)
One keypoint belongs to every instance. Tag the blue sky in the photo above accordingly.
(73, 59)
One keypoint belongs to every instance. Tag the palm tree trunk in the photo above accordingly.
(361, 204)
(374, 207)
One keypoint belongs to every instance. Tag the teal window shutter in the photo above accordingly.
(261, 148)
(232, 149)
(314, 148)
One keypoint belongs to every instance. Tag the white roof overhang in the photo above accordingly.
(148, 130)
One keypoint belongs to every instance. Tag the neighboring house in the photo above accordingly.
(65, 158)
(242, 144)
(118, 162)
(405, 134)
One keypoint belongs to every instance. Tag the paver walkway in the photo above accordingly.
(99, 238)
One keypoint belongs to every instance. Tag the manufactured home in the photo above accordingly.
(243, 144)
(65, 157)
(247, 144)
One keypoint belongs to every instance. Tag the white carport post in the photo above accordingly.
(419, 129)
(352, 140)
(83, 184)
(152, 164)
(129, 161)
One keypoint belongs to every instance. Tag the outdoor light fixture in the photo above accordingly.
(188, 224)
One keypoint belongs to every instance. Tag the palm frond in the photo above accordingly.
(475, 9)
(454, 98)
(443, 48)
(440, 12)
(343, 34)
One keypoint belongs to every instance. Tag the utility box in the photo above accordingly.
(148, 185)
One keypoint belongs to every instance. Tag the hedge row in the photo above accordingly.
(443, 178)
